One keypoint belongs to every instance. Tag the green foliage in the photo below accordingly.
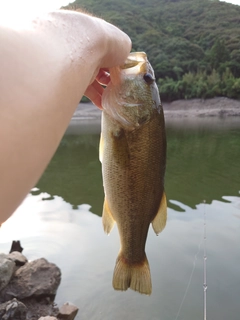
(200, 85)
(192, 45)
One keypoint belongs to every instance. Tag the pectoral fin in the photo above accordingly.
(107, 218)
(101, 148)
(160, 219)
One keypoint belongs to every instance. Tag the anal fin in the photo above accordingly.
(107, 218)
(159, 222)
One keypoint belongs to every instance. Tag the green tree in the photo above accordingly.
(218, 54)
(192, 45)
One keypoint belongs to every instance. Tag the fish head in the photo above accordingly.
(132, 96)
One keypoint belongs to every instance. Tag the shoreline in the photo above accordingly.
(216, 107)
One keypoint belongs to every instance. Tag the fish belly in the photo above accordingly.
(133, 166)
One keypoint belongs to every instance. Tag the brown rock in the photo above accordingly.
(7, 268)
(40, 308)
(67, 312)
(18, 258)
(13, 310)
(16, 246)
(38, 278)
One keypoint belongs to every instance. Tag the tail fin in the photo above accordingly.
(134, 276)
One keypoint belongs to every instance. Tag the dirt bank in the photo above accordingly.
(216, 107)
(222, 107)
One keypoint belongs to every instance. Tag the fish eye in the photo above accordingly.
(148, 78)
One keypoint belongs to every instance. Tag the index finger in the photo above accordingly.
(103, 77)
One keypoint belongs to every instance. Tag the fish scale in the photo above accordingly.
(133, 156)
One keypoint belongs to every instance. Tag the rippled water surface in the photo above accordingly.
(60, 220)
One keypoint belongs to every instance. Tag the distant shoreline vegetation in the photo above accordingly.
(200, 85)
(193, 46)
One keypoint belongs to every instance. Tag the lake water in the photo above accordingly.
(60, 220)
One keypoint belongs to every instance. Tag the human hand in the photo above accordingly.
(119, 47)
(95, 90)
(49, 64)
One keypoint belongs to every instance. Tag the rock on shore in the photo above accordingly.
(28, 289)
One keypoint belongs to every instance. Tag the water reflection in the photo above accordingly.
(74, 239)
(75, 172)
(202, 164)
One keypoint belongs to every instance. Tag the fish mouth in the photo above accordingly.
(135, 63)
(132, 94)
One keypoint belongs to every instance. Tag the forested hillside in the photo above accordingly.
(193, 45)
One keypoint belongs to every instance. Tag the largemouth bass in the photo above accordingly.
(133, 156)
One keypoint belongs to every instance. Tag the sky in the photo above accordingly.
(19, 9)
(33, 5)
(46, 5)
(18, 12)
(233, 1)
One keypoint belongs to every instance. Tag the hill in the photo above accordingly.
(193, 46)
